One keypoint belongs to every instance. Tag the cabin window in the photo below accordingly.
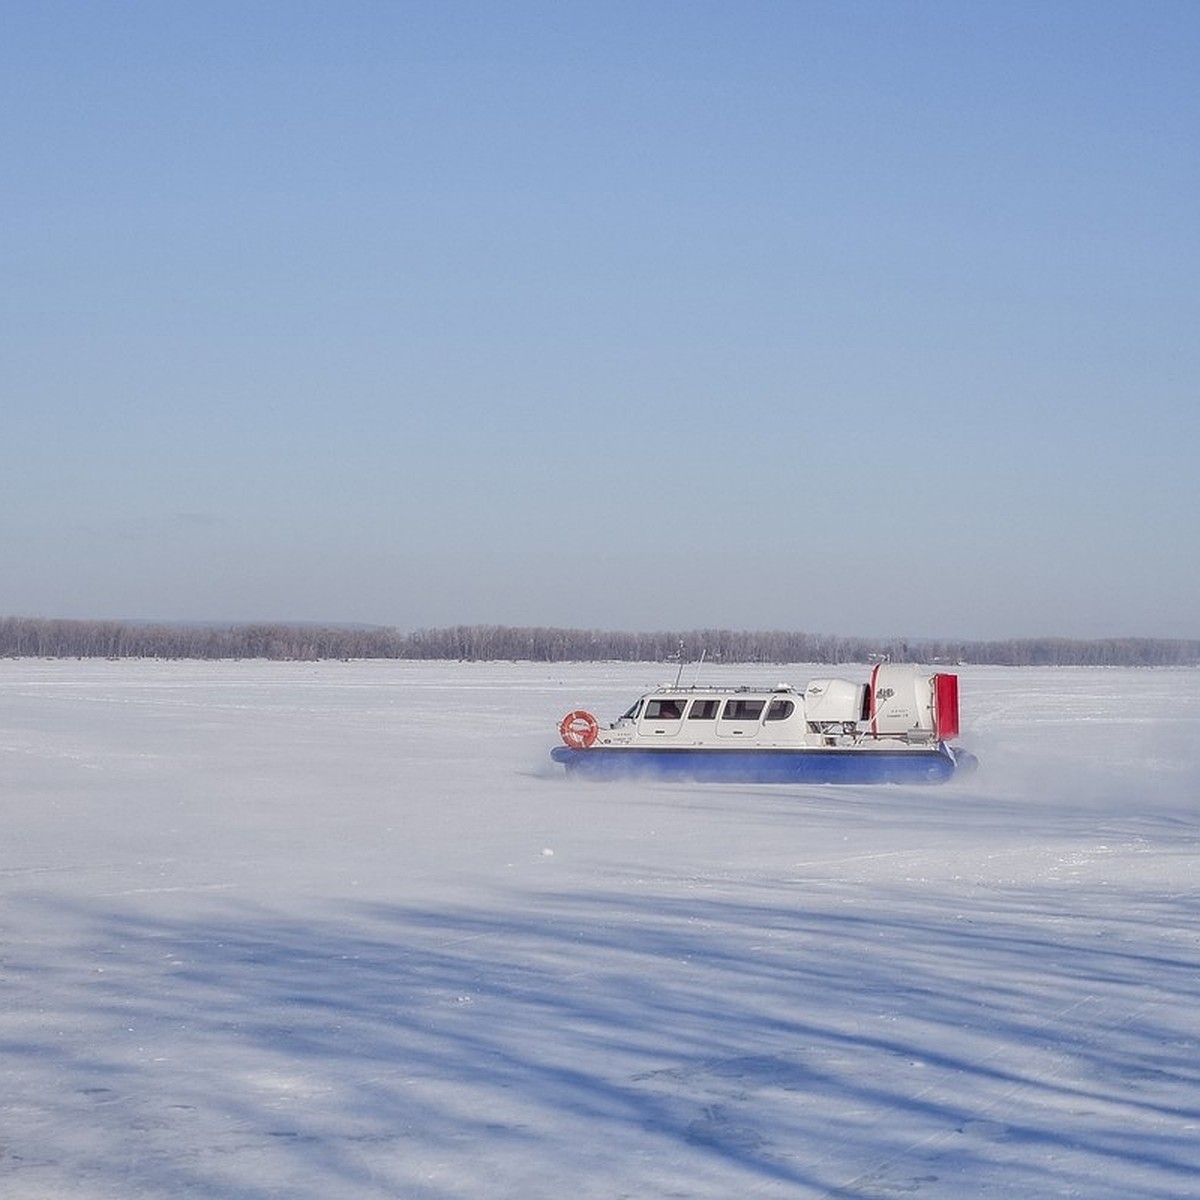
(631, 714)
(663, 710)
(743, 710)
(703, 710)
(780, 710)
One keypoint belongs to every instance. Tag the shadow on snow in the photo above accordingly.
(844, 1043)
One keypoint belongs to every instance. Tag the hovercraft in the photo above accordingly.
(894, 729)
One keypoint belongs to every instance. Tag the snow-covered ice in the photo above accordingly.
(339, 929)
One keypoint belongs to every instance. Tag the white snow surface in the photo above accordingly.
(342, 930)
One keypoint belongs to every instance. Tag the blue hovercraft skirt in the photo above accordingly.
(934, 765)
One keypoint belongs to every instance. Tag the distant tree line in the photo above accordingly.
(23, 637)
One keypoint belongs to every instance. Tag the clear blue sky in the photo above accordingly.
(870, 318)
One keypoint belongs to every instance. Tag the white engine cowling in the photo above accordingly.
(834, 701)
(902, 700)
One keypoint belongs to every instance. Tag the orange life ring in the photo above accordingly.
(579, 729)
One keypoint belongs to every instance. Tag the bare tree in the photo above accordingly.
(22, 637)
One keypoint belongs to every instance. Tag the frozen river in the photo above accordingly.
(339, 930)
